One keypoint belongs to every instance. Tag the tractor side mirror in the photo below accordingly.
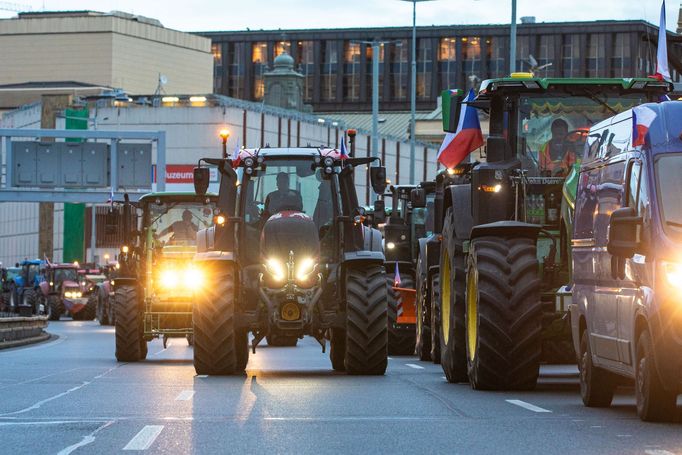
(451, 101)
(379, 213)
(624, 232)
(377, 175)
(202, 177)
(418, 198)
(111, 222)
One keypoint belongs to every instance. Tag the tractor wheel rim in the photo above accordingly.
(419, 318)
(472, 312)
(445, 294)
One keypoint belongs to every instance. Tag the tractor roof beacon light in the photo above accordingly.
(224, 134)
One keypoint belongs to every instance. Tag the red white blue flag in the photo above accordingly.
(467, 138)
(662, 70)
(642, 118)
(396, 278)
(235, 156)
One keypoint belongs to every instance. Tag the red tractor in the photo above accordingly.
(61, 292)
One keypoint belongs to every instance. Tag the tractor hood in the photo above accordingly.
(289, 231)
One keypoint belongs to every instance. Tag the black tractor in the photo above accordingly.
(289, 255)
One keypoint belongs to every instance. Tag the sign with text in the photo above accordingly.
(183, 173)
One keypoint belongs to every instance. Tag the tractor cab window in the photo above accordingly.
(33, 271)
(61, 275)
(553, 129)
(177, 223)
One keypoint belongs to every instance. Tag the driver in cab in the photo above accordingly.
(557, 155)
(283, 198)
(183, 230)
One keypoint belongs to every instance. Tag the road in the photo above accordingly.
(71, 396)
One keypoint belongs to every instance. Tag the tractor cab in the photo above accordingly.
(24, 286)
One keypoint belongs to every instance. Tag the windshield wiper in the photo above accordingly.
(170, 206)
(594, 97)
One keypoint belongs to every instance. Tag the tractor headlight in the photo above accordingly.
(67, 294)
(169, 278)
(673, 273)
(304, 269)
(193, 278)
(277, 269)
(390, 245)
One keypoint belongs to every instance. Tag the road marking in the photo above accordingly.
(658, 452)
(46, 400)
(530, 407)
(88, 439)
(416, 367)
(389, 358)
(168, 345)
(145, 438)
(202, 376)
(185, 395)
(623, 435)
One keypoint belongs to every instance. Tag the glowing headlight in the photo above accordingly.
(276, 269)
(305, 268)
(390, 245)
(169, 278)
(78, 295)
(673, 273)
(67, 295)
(194, 277)
(125, 249)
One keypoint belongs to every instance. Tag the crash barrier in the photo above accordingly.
(17, 330)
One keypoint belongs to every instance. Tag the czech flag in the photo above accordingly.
(344, 151)
(642, 118)
(468, 137)
(396, 278)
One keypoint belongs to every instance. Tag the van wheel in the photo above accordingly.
(596, 385)
(654, 402)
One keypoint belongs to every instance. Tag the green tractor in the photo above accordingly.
(503, 258)
(157, 279)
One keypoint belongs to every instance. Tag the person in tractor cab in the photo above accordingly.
(283, 198)
(183, 230)
(557, 155)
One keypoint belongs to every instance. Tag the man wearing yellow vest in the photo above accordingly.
(558, 154)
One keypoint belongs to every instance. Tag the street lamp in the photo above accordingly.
(413, 85)
(224, 134)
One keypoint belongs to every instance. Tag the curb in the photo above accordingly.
(23, 342)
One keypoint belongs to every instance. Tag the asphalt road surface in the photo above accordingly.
(71, 396)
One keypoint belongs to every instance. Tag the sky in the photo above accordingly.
(209, 15)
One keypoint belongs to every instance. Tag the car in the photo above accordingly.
(626, 318)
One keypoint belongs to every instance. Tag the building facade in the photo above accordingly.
(337, 67)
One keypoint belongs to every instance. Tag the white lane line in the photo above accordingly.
(88, 439)
(530, 407)
(145, 438)
(202, 376)
(389, 358)
(46, 400)
(658, 452)
(185, 395)
(412, 365)
(168, 345)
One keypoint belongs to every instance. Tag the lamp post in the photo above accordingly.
(512, 39)
(413, 86)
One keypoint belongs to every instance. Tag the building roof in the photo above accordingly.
(394, 124)
(51, 85)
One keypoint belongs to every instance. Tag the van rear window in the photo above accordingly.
(669, 183)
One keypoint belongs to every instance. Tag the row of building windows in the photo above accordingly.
(455, 60)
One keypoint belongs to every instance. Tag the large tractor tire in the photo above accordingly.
(423, 330)
(130, 344)
(366, 321)
(89, 311)
(435, 319)
(400, 340)
(102, 313)
(337, 349)
(215, 338)
(503, 314)
(30, 298)
(452, 284)
(54, 308)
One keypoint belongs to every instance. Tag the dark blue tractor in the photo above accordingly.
(24, 287)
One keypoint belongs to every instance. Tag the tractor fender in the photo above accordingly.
(372, 240)
(422, 262)
(506, 229)
(44, 287)
(459, 197)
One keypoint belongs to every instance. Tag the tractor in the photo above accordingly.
(104, 297)
(157, 279)
(24, 288)
(62, 292)
(290, 254)
(404, 226)
(502, 260)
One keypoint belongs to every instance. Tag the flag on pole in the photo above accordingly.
(662, 70)
(467, 138)
(235, 155)
(343, 150)
(396, 278)
(642, 118)
(111, 196)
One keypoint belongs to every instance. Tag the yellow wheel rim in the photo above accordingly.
(445, 291)
(472, 311)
